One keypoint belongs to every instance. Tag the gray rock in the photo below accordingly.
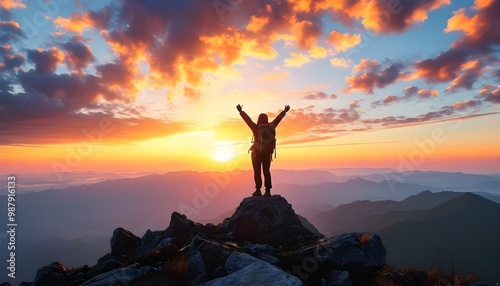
(248, 270)
(196, 266)
(153, 241)
(362, 250)
(54, 274)
(264, 220)
(124, 243)
(339, 278)
(122, 276)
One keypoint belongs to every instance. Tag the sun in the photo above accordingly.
(223, 151)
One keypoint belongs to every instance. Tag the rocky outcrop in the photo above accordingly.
(263, 242)
(264, 220)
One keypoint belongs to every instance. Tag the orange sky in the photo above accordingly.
(152, 86)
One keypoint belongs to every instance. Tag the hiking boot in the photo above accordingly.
(267, 193)
(257, 193)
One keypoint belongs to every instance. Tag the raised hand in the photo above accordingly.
(239, 107)
(287, 107)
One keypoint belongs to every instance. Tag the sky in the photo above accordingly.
(133, 86)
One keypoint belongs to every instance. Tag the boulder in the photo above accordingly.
(183, 229)
(247, 270)
(349, 249)
(266, 220)
(122, 276)
(153, 242)
(54, 274)
(339, 278)
(124, 243)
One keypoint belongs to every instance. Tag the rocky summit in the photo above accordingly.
(262, 243)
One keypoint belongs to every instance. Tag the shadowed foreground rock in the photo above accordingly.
(262, 243)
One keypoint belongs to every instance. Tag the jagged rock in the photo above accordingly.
(339, 278)
(105, 264)
(347, 249)
(196, 265)
(152, 242)
(248, 270)
(261, 251)
(124, 243)
(182, 229)
(54, 274)
(122, 276)
(214, 255)
(264, 220)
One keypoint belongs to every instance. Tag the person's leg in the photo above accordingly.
(266, 166)
(256, 162)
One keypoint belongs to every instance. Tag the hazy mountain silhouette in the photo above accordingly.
(369, 214)
(82, 212)
(441, 230)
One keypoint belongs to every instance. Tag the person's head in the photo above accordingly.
(262, 118)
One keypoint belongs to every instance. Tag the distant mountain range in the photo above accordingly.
(446, 230)
(78, 214)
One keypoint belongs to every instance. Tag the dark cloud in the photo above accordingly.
(9, 60)
(78, 55)
(490, 93)
(46, 62)
(369, 74)
(389, 99)
(319, 95)
(410, 91)
(10, 32)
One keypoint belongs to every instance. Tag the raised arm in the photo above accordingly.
(246, 118)
(280, 116)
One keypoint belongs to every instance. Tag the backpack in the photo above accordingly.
(265, 139)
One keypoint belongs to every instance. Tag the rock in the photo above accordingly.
(124, 243)
(214, 255)
(54, 274)
(153, 242)
(347, 250)
(105, 264)
(196, 266)
(182, 229)
(264, 220)
(339, 278)
(248, 270)
(122, 276)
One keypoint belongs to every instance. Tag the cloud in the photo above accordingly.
(297, 60)
(94, 128)
(319, 95)
(470, 73)
(12, 4)
(369, 74)
(388, 99)
(397, 16)
(45, 61)
(78, 23)
(427, 93)
(340, 62)
(490, 93)
(461, 105)
(9, 60)
(479, 38)
(410, 91)
(10, 31)
(343, 41)
(78, 55)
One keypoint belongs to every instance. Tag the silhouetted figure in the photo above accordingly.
(264, 143)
